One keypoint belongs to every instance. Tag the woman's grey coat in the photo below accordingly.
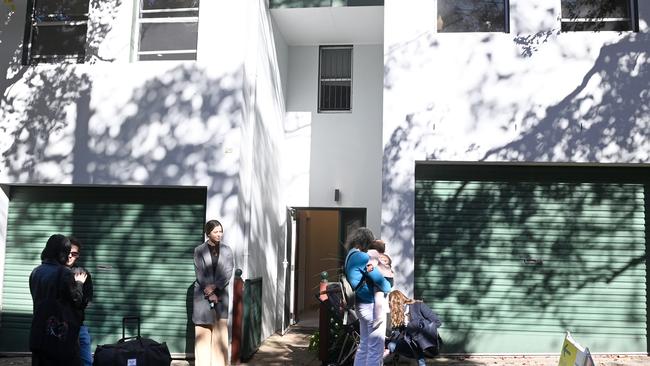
(205, 275)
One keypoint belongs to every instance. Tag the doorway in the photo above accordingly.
(317, 243)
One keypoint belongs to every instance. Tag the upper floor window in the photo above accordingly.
(335, 78)
(597, 15)
(168, 29)
(55, 31)
(473, 16)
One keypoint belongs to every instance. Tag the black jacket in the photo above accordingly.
(53, 282)
(423, 326)
(87, 290)
(43, 284)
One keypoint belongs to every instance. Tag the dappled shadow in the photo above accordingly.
(530, 43)
(505, 255)
(170, 137)
(132, 245)
(609, 123)
(263, 223)
(182, 126)
(398, 196)
(47, 90)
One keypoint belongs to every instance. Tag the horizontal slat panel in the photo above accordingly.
(139, 254)
(471, 239)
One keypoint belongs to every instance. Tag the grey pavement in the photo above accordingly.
(291, 349)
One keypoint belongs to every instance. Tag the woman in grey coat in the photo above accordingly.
(213, 264)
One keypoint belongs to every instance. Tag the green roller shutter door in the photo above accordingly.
(511, 265)
(138, 245)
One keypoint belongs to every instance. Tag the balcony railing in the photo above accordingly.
(275, 4)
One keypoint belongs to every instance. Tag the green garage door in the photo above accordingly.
(513, 256)
(138, 246)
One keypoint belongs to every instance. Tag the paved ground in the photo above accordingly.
(291, 349)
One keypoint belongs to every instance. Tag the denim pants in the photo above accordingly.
(402, 348)
(84, 345)
(371, 344)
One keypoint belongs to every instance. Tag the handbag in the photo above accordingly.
(55, 327)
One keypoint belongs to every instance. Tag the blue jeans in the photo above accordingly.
(84, 344)
(402, 348)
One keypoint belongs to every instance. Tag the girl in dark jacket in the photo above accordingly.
(417, 326)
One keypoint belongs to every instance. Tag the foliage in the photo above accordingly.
(337, 344)
(314, 342)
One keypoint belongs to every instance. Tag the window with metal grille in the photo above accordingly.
(473, 16)
(599, 15)
(335, 79)
(55, 31)
(167, 30)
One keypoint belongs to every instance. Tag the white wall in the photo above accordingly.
(266, 240)
(216, 122)
(534, 95)
(345, 147)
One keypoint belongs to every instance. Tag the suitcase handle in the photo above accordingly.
(124, 321)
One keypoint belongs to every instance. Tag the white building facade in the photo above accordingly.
(223, 107)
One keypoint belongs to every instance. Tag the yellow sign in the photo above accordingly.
(11, 4)
(573, 354)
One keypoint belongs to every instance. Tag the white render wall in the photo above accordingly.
(345, 148)
(531, 95)
(216, 122)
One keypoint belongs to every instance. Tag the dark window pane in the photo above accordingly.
(335, 90)
(617, 26)
(471, 16)
(335, 96)
(168, 36)
(169, 4)
(62, 8)
(59, 42)
(595, 9)
(336, 63)
(171, 14)
(168, 56)
(597, 15)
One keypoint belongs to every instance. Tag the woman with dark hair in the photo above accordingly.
(82, 275)
(371, 344)
(213, 265)
(54, 340)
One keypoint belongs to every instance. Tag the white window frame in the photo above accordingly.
(632, 20)
(341, 79)
(31, 27)
(139, 20)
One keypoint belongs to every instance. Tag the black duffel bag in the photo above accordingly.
(132, 351)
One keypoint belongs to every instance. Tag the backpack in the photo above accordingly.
(348, 295)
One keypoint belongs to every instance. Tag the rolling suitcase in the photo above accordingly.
(132, 351)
